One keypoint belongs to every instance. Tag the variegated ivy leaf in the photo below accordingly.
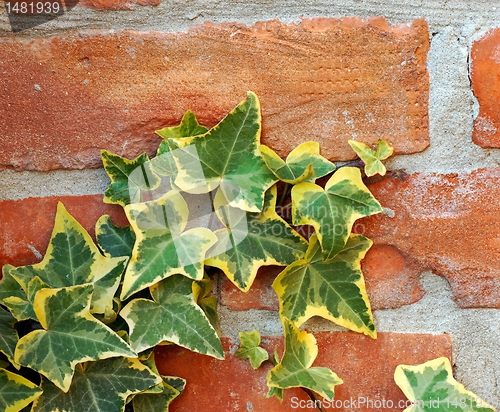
(115, 241)
(8, 335)
(295, 369)
(162, 248)
(333, 211)
(73, 259)
(189, 127)
(16, 392)
(101, 386)
(128, 178)
(249, 348)
(431, 387)
(303, 164)
(22, 309)
(172, 316)
(334, 290)
(172, 389)
(9, 286)
(70, 335)
(264, 239)
(372, 158)
(227, 155)
(278, 392)
(201, 290)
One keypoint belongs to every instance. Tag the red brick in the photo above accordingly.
(260, 296)
(329, 79)
(367, 367)
(446, 223)
(29, 222)
(485, 77)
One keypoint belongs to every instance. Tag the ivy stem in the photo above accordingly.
(283, 195)
(353, 163)
(314, 398)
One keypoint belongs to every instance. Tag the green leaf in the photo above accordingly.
(9, 286)
(172, 316)
(303, 164)
(162, 248)
(16, 392)
(73, 259)
(8, 335)
(128, 178)
(249, 348)
(227, 156)
(333, 211)
(160, 402)
(334, 290)
(115, 241)
(101, 386)
(372, 158)
(208, 304)
(189, 127)
(22, 309)
(431, 387)
(70, 335)
(295, 369)
(263, 239)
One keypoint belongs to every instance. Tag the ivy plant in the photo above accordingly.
(89, 315)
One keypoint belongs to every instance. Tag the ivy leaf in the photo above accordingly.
(295, 369)
(431, 387)
(8, 335)
(227, 155)
(172, 389)
(115, 241)
(278, 392)
(16, 392)
(333, 211)
(303, 164)
(73, 259)
(22, 309)
(128, 178)
(189, 127)
(162, 248)
(249, 348)
(264, 239)
(101, 386)
(334, 290)
(70, 335)
(172, 316)
(208, 304)
(9, 286)
(372, 158)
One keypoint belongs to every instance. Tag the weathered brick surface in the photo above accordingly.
(485, 77)
(366, 366)
(29, 222)
(447, 223)
(65, 97)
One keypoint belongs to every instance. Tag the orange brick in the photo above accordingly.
(29, 222)
(446, 223)
(325, 79)
(366, 366)
(485, 77)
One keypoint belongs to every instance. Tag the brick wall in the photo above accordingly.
(108, 73)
